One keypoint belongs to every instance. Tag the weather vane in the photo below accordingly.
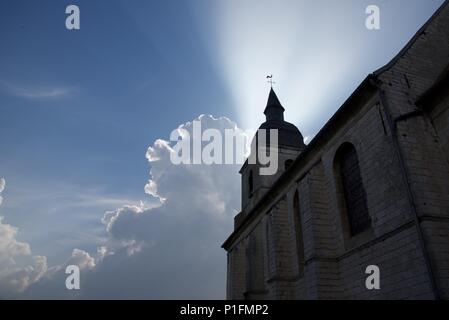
(270, 81)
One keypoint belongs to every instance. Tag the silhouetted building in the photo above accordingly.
(371, 188)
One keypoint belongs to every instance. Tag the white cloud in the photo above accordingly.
(82, 259)
(167, 251)
(308, 138)
(54, 210)
(36, 92)
(2, 187)
(18, 269)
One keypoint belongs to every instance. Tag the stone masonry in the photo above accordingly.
(295, 236)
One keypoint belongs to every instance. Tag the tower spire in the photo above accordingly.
(274, 111)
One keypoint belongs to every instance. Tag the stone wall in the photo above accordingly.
(402, 145)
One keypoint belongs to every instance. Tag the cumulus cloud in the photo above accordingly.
(18, 268)
(170, 250)
(2, 187)
(82, 259)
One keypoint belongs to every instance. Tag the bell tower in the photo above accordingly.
(290, 144)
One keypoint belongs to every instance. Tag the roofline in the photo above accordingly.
(411, 41)
(440, 85)
(368, 82)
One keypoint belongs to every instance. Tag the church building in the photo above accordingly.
(370, 189)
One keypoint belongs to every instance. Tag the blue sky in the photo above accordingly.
(121, 88)
(78, 109)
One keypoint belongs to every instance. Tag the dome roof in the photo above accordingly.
(288, 134)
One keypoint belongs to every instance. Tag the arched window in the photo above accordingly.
(298, 233)
(348, 169)
(250, 184)
(288, 163)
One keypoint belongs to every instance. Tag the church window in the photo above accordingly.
(298, 233)
(354, 194)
